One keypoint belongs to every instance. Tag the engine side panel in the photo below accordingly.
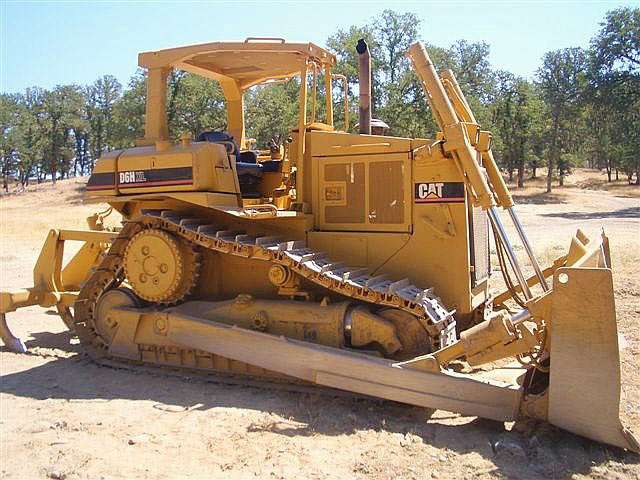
(200, 166)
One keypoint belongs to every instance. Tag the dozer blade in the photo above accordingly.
(584, 388)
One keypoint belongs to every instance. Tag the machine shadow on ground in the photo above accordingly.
(630, 212)
(542, 198)
(527, 450)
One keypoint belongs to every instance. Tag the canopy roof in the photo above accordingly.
(247, 63)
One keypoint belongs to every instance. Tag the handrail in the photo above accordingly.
(262, 209)
(314, 92)
(345, 84)
(264, 39)
(361, 145)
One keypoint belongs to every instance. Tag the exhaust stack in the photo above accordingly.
(364, 79)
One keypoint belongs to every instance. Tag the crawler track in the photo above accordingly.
(314, 266)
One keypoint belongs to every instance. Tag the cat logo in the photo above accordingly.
(439, 192)
(430, 190)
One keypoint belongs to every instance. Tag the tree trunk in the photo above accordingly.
(85, 154)
(521, 161)
(551, 166)
(521, 175)
(609, 167)
(551, 161)
(5, 184)
(561, 174)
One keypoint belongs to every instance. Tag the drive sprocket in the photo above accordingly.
(160, 267)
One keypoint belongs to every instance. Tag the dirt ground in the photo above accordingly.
(61, 416)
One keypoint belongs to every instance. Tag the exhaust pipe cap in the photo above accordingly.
(361, 47)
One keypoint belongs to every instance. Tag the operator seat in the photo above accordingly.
(249, 169)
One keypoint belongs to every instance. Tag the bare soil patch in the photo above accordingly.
(61, 416)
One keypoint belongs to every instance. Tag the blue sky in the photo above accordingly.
(49, 43)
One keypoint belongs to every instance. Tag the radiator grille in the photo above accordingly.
(479, 243)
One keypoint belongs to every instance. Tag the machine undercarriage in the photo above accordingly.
(156, 260)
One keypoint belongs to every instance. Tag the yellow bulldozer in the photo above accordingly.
(358, 262)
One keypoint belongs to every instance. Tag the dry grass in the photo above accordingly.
(64, 417)
(26, 218)
(579, 178)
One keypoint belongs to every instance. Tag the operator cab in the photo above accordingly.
(263, 176)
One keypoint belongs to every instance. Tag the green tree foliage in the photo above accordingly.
(562, 80)
(617, 46)
(582, 108)
(196, 105)
(9, 118)
(271, 111)
(343, 44)
(29, 139)
(101, 98)
(394, 33)
(470, 63)
(613, 93)
(58, 114)
(514, 117)
(129, 111)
